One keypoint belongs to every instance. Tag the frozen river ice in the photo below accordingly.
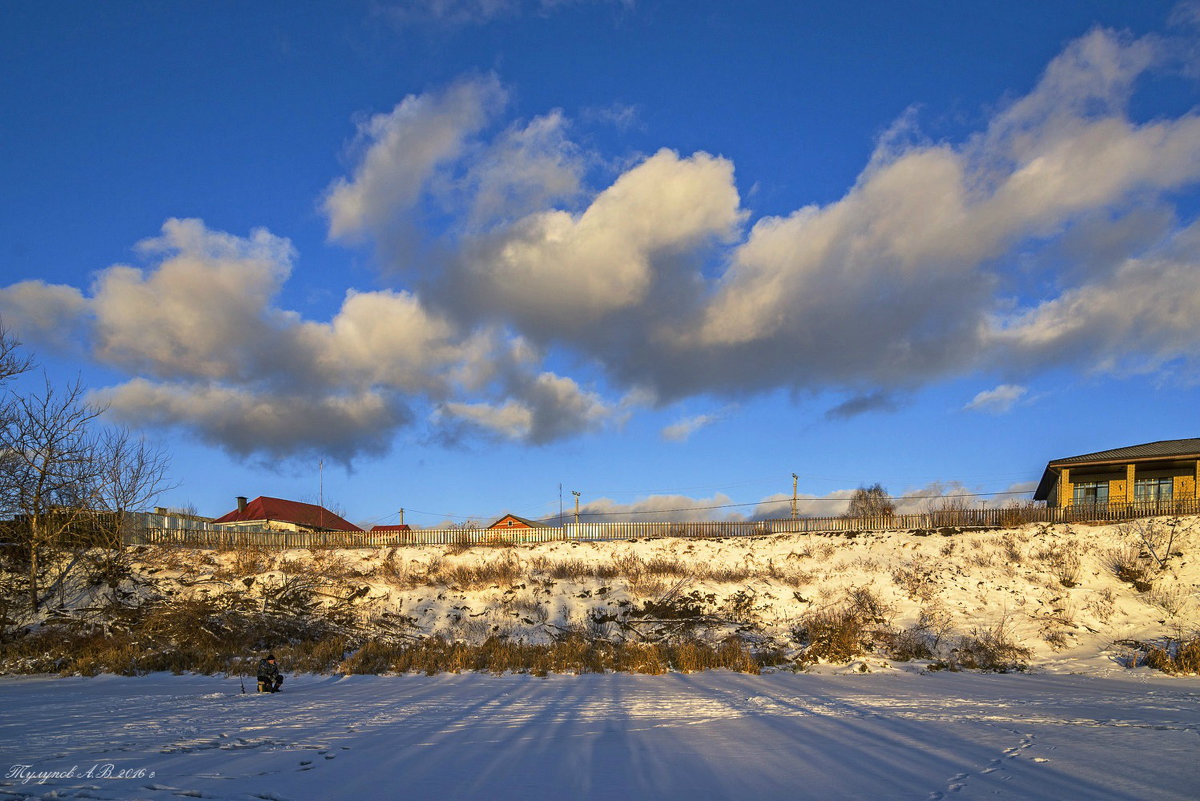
(711, 735)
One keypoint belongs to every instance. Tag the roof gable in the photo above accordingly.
(303, 514)
(515, 521)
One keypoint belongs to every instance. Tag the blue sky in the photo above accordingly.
(666, 254)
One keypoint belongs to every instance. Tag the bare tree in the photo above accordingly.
(12, 361)
(871, 502)
(50, 466)
(131, 473)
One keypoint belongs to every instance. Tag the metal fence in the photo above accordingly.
(592, 532)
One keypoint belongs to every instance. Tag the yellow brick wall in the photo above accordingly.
(1185, 488)
(1118, 491)
(1066, 490)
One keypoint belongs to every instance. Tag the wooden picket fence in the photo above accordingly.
(947, 519)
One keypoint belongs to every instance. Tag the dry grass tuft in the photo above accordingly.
(1176, 656)
(993, 650)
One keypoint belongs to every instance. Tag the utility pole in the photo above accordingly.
(795, 483)
(321, 490)
(576, 494)
(402, 515)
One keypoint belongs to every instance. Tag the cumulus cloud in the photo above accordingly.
(401, 151)
(997, 400)
(523, 170)
(676, 508)
(48, 313)
(213, 353)
(544, 408)
(254, 423)
(1136, 320)
(906, 279)
(942, 259)
(891, 284)
(554, 272)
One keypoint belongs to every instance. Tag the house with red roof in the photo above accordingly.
(512, 521)
(278, 514)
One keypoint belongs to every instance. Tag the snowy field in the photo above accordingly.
(896, 735)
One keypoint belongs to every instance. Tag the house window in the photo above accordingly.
(1153, 490)
(1091, 492)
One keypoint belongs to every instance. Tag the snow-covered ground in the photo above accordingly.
(892, 735)
(1056, 589)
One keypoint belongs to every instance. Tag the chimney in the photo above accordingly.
(241, 503)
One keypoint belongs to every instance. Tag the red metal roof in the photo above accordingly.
(393, 527)
(284, 511)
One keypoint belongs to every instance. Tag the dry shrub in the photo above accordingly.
(992, 650)
(1012, 549)
(393, 568)
(499, 572)
(251, 560)
(1170, 598)
(835, 635)
(666, 566)
(916, 582)
(732, 574)
(908, 644)
(572, 653)
(529, 609)
(789, 574)
(1102, 605)
(1129, 566)
(1057, 638)
(1158, 537)
(1063, 563)
(1176, 656)
(1017, 513)
(331, 564)
(840, 633)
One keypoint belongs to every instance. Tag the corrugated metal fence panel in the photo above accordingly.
(593, 532)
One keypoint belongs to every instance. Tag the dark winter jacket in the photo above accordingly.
(267, 671)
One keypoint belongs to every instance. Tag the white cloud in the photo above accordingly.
(538, 410)
(522, 171)
(654, 279)
(52, 314)
(676, 508)
(213, 352)
(401, 152)
(562, 270)
(997, 400)
(203, 311)
(891, 285)
(246, 422)
(682, 430)
(510, 420)
(1136, 320)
